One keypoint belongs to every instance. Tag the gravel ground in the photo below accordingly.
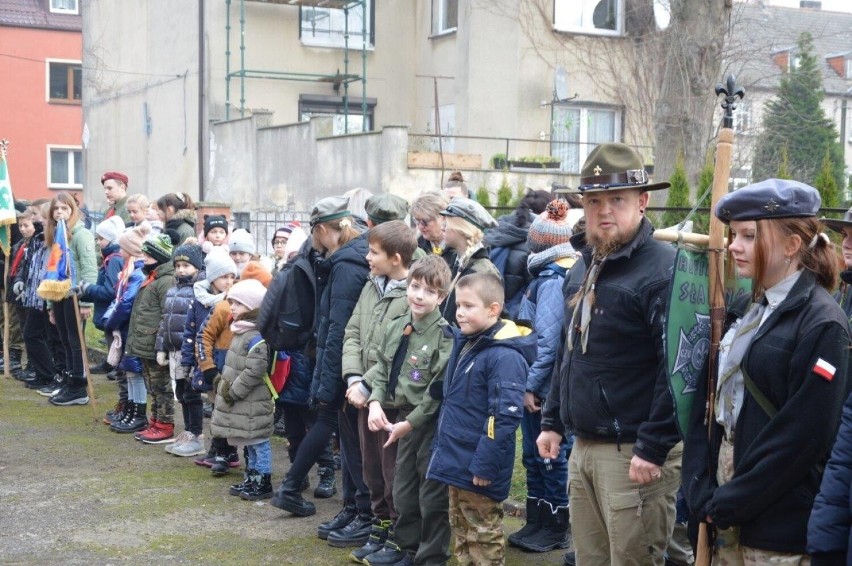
(72, 492)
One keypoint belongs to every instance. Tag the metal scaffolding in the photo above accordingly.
(337, 78)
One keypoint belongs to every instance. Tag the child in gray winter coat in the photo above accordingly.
(244, 409)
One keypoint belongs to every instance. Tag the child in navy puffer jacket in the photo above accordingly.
(130, 416)
(102, 292)
(187, 260)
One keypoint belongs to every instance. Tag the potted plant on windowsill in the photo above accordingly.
(498, 161)
(535, 162)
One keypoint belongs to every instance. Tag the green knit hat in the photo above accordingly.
(159, 247)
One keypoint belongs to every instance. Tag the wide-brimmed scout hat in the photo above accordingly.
(772, 198)
(613, 167)
(839, 225)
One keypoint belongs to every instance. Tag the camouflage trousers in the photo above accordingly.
(159, 384)
(477, 523)
(728, 551)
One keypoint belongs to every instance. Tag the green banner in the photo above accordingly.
(687, 339)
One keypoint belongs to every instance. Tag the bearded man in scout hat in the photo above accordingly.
(612, 389)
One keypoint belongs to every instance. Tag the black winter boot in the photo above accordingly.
(37, 382)
(24, 374)
(134, 421)
(570, 559)
(117, 413)
(53, 387)
(74, 393)
(532, 525)
(14, 360)
(355, 533)
(260, 488)
(378, 536)
(103, 367)
(326, 487)
(343, 518)
(289, 498)
(390, 554)
(554, 531)
(238, 488)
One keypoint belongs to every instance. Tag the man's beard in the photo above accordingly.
(602, 246)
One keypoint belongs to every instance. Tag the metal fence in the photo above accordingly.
(263, 223)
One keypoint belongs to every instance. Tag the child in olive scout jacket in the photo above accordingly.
(474, 448)
(392, 245)
(411, 363)
(148, 308)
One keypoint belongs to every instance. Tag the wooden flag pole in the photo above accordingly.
(6, 359)
(4, 148)
(716, 283)
(84, 350)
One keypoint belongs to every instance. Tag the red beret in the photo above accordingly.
(120, 177)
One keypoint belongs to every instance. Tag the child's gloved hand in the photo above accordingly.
(211, 376)
(18, 288)
(163, 358)
(225, 392)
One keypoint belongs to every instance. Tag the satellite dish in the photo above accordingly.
(560, 83)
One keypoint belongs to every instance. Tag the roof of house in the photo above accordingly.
(758, 32)
(37, 14)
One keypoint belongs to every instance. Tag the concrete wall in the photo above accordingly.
(140, 89)
(288, 168)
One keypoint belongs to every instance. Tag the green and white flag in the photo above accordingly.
(7, 204)
(687, 339)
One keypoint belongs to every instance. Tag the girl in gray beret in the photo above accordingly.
(781, 380)
(464, 223)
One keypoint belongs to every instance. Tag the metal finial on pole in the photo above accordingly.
(732, 93)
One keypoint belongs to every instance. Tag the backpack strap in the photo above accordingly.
(769, 408)
(270, 364)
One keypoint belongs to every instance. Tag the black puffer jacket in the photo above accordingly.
(778, 460)
(618, 391)
(178, 302)
(340, 278)
(508, 250)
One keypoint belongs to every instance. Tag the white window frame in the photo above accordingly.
(70, 149)
(48, 63)
(354, 31)
(744, 118)
(439, 9)
(74, 11)
(847, 65)
(563, 8)
(584, 146)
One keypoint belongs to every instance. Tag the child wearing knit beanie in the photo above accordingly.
(170, 338)
(551, 257)
(197, 355)
(130, 415)
(242, 248)
(244, 409)
(145, 319)
(215, 232)
(213, 342)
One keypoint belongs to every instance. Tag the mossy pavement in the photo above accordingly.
(72, 492)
